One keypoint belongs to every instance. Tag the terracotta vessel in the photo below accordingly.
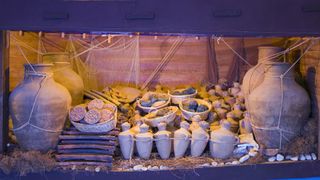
(181, 140)
(144, 141)
(163, 141)
(200, 139)
(223, 141)
(64, 74)
(254, 76)
(39, 107)
(281, 107)
(126, 141)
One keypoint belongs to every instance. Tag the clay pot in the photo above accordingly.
(200, 139)
(267, 98)
(144, 141)
(223, 141)
(126, 141)
(64, 75)
(181, 140)
(163, 141)
(43, 103)
(254, 76)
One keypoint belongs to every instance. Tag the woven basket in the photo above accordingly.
(176, 99)
(188, 115)
(149, 109)
(167, 118)
(105, 126)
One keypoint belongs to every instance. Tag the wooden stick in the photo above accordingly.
(85, 151)
(86, 146)
(87, 157)
(82, 137)
(114, 101)
(89, 163)
(98, 142)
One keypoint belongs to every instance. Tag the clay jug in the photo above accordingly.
(222, 141)
(39, 107)
(181, 140)
(281, 107)
(144, 141)
(126, 141)
(163, 141)
(200, 139)
(64, 74)
(254, 76)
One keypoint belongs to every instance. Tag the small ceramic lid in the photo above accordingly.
(144, 128)
(185, 125)
(162, 126)
(125, 126)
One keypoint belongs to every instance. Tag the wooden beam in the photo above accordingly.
(4, 89)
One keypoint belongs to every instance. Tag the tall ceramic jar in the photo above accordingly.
(39, 107)
(126, 141)
(64, 75)
(181, 140)
(144, 142)
(199, 139)
(163, 141)
(254, 76)
(281, 107)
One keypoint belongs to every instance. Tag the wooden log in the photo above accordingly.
(86, 146)
(89, 163)
(108, 143)
(83, 137)
(86, 157)
(77, 113)
(92, 116)
(85, 151)
(95, 104)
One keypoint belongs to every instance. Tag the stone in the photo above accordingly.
(313, 156)
(302, 157)
(228, 163)
(163, 167)
(221, 164)
(87, 169)
(288, 157)
(214, 163)
(279, 157)
(154, 168)
(308, 157)
(294, 158)
(252, 153)
(205, 165)
(97, 169)
(272, 159)
(74, 167)
(137, 167)
(144, 168)
(235, 162)
(244, 158)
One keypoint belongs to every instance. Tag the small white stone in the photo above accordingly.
(279, 157)
(74, 167)
(294, 158)
(252, 153)
(228, 163)
(97, 169)
(288, 157)
(235, 162)
(87, 169)
(302, 157)
(214, 163)
(144, 168)
(149, 167)
(154, 168)
(221, 164)
(313, 156)
(205, 165)
(163, 167)
(244, 158)
(271, 159)
(308, 157)
(137, 167)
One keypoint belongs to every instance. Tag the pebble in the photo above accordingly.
(271, 159)
(163, 167)
(252, 153)
(228, 163)
(294, 158)
(87, 169)
(314, 156)
(308, 157)
(74, 167)
(214, 164)
(205, 165)
(244, 158)
(279, 157)
(235, 162)
(288, 157)
(97, 169)
(302, 157)
(137, 167)
(144, 168)
(221, 164)
(154, 168)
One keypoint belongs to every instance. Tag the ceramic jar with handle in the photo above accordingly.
(144, 141)
(126, 141)
(181, 139)
(163, 141)
(199, 140)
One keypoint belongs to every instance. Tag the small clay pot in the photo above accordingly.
(126, 141)
(181, 139)
(200, 139)
(144, 141)
(163, 141)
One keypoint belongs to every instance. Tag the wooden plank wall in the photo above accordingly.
(189, 65)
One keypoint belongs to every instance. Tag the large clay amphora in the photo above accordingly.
(280, 107)
(38, 107)
(64, 74)
(254, 76)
